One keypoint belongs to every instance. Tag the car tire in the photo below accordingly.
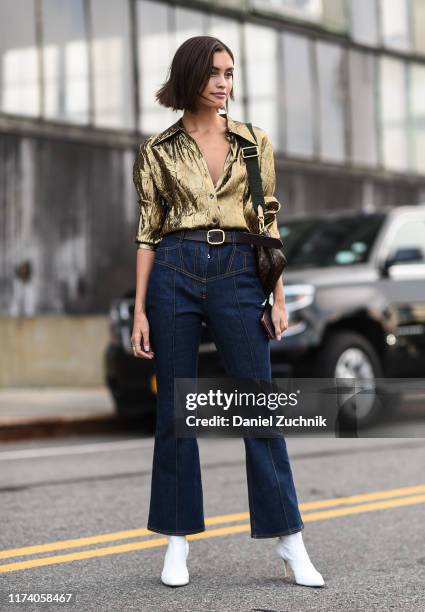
(343, 355)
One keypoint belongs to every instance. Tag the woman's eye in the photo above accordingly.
(229, 74)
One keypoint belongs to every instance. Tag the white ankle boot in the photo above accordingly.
(175, 571)
(292, 550)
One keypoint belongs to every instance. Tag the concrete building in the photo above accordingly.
(339, 85)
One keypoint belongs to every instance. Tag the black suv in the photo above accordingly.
(355, 298)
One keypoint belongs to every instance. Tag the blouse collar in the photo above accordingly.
(233, 126)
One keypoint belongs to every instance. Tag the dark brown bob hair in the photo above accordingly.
(189, 73)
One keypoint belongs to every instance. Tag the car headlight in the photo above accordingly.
(298, 296)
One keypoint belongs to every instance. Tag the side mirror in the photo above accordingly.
(401, 256)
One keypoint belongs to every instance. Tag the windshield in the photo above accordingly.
(329, 242)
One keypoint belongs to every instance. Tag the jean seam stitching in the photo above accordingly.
(251, 496)
(278, 483)
(227, 274)
(173, 379)
(244, 328)
(240, 250)
(174, 533)
(180, 252)
(195, 262)
(200, 278)
(278, 533)
(164, 246)
(232, 256)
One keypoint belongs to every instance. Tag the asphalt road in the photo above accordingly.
(73, 517)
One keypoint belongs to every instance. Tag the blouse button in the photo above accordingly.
(211, 195)
(214, 219)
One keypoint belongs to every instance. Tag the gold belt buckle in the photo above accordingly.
(215, 230)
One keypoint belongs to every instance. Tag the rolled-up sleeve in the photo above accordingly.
(268, 177)
(151, 208)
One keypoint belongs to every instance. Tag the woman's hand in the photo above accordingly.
(279, 318)
(140, 337)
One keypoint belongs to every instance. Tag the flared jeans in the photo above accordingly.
(191, 281)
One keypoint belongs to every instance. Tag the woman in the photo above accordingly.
(192, 178)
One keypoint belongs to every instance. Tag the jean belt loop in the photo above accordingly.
(181, 236)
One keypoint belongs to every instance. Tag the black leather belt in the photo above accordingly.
(218, 236)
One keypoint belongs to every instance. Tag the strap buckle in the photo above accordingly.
(255, 147)
(215, 230)
(260, 215)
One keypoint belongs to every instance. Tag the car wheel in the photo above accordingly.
(348, 355)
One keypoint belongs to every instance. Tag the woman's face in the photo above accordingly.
(220, 82)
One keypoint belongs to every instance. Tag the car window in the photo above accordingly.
(330, 242)
(409, 235)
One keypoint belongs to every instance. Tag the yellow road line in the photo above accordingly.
(214, 520)
(212, 533)
(75, 543)
(372, 507)
(362, 497)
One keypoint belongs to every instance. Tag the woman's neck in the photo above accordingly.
(204, 122)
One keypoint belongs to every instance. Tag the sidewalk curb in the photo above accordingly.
(12, 430)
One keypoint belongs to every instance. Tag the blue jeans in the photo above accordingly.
(189, 281)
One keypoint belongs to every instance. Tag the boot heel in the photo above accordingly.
(285, 568)
(292, 550)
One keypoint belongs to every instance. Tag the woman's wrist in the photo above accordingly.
(140, 310)
(278, 293)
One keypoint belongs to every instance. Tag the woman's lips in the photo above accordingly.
(219, 95)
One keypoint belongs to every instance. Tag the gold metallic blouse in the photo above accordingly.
(176, 190)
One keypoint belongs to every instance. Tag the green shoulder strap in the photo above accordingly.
(250, 153)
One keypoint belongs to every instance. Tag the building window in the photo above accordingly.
(298, 94)
(113, 92)
(393, 113)
(335, 15)
(362, 73)
(330, 13)
(188, 23)
(311, 10)
(19, 76)
(417, 113)
(155, 52)
(65, 61)
(332, 101)
(418, 21)
(262, 75)
(237, 4)
(395, 24)
(363, 21)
